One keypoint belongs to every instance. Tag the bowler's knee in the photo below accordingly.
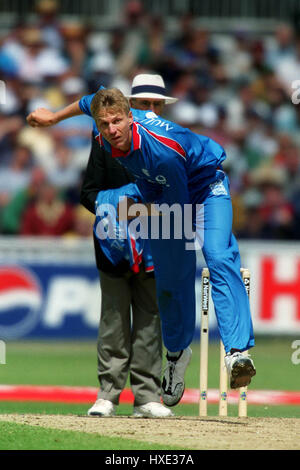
(217, 259)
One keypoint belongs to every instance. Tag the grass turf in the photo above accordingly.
(255, 411)
(70, 363)
(24, 437)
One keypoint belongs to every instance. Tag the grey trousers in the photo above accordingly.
(129, 339)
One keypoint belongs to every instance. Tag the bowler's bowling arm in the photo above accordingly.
(128, 209)
(43, 117)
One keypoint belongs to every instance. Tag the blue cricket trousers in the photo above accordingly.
(175, 269)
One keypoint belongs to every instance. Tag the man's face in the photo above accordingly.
(115, 126)
(155, 105)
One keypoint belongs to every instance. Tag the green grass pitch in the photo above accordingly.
(74, 364)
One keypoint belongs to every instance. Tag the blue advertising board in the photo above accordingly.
(49, 301)
(57, 296)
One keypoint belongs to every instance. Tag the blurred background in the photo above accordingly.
(233, 66)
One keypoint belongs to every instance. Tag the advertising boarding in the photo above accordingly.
(50, 289)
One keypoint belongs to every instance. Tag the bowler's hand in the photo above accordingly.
(123, 208)
(125, 211)
(41, 117)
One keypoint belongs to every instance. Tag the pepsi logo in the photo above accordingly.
(20, 301)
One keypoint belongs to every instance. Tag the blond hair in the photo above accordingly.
(109, 98)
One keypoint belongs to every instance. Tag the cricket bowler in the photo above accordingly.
(174, 165)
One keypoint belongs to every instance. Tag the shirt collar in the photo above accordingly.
(115, 153)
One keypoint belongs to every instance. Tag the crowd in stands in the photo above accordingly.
(235, 88)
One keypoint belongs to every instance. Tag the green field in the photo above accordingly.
(74, 364)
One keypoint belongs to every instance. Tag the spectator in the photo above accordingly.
(287, 68)
(17, 175)
(38, 61)
(83, 223)
(246, 74)
(12, 213)
(49, 23)
(275, 211)
(10, 126)
(282, 46)
(134, 22)
(48, 215)
(76, 133)
(75, 46)
(66, 174)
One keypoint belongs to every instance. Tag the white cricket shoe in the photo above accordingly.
(102, 407)
(152, 410)
(240, 369)
(173, 386)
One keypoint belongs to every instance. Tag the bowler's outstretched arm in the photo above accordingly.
(43, 117)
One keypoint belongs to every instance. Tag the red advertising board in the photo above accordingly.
(275, 286)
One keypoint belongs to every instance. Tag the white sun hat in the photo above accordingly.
(150, 86)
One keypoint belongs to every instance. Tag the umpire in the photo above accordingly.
(129, 338)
